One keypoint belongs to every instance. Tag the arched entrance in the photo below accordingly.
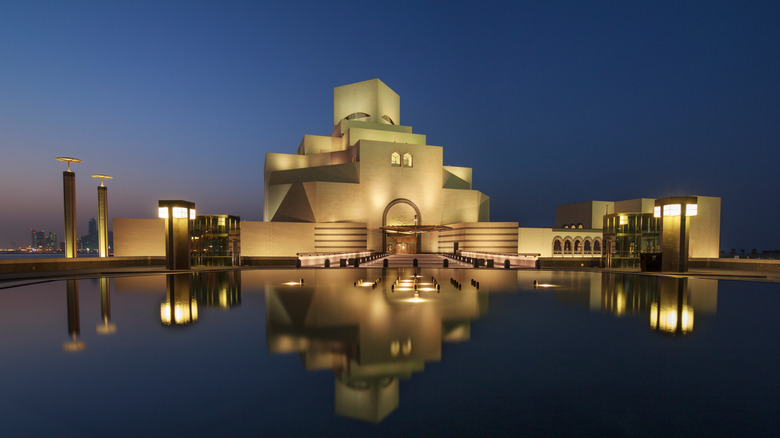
(401, 211)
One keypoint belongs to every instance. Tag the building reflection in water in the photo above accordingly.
(217, 289)
(369, 332)
(670, 302)
(180, 306)
(106, 327)
(670, 312)
(74, 322)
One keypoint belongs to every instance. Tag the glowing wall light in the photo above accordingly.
(657, 211)
(691, 209)
(672, 210)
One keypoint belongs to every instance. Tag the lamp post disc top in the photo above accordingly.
(102, 178)
(69, 160)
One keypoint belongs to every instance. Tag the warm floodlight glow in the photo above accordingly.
(74, 346)
(666, 318)
(691, 209)
(106, 328)
(657, 211)
(162, 212)
(183, 312)
(192, 214)
(179, 212)
(672, 210)
(623, 220)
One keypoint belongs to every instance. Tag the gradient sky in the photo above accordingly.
(549, 102)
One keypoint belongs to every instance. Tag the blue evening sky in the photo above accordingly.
(549, 102)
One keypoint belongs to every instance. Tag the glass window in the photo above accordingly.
(407, 160)
(596, 245)
(395, 159)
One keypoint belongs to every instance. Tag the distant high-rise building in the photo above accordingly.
(89, 242)
(51, 242)
(37, 239)
(92, 227)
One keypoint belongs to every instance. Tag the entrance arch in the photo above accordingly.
(394, 243)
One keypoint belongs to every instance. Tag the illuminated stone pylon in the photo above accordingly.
(178, 217)
(675, 234)
(69, 199)
(102, 216)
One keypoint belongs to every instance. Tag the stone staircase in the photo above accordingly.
(407, 261)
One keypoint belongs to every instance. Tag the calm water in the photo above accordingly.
(244, 354)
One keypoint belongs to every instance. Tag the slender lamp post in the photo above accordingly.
(102, 216)
(69, 195)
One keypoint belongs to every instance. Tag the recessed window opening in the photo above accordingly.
(354, 116)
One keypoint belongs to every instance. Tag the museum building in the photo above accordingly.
(375, 185)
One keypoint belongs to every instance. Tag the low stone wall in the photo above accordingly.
(560, 262)
(269, 261)
(15, 266)
(735, 264)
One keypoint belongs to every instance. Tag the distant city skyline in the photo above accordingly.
(548, 103)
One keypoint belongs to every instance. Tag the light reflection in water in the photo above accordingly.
(180, 307)
(669, 302)
(670, 312)
(74, 321)
(370, 333)
(106, 327)
(372, 327)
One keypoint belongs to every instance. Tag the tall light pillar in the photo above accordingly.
(178, 217)
(69, 198)
(675, 212)
(102, 216)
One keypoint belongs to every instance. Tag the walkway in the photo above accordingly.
(407, 261)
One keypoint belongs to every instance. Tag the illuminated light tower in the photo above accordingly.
(178, 217)
(69, 190)
(675, 234)
(102, 216)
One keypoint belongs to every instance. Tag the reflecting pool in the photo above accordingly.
(386, 352)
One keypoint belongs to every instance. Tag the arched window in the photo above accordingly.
(557, 246)
(579, 225)
(395, 159)
(597, 245)
(587, 246)
(407, 160)
(567, 246)
(354, 116)
(388, 119)
(578, 245)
